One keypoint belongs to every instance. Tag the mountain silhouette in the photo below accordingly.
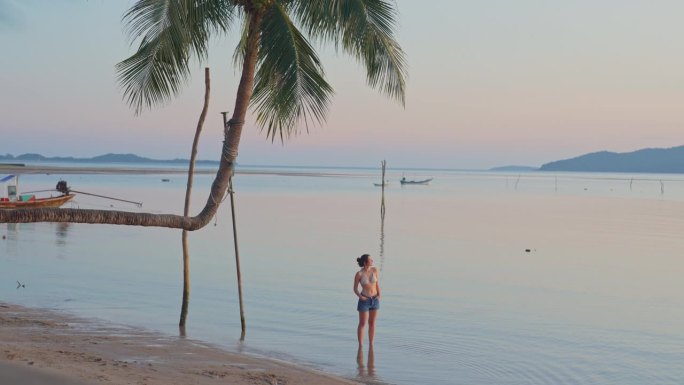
(648, 160)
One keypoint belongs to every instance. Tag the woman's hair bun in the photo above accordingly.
(362, 260)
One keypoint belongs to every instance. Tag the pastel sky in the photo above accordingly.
(491, 82)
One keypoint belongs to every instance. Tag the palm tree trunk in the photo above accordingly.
(244, 93)
(234, 129)
(218, 188)
(188, 193)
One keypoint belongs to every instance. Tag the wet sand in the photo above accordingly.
(40, 347)
(16, 374)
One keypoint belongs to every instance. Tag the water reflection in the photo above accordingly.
(10, 238)
(381, 254)
(17, 233)
(382, 240)
(366, 371)
(371, 362)
(361, 366)
(62, 232)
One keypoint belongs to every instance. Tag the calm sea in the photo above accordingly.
(487, 278)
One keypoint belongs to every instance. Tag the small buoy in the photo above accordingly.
(527, 250)
(4, 237)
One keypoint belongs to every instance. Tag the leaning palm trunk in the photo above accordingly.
(188, 194)
(225, 171)
(288, 89)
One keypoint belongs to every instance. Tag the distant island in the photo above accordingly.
(106, 158)
(648, 160)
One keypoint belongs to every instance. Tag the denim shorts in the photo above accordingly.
(371, 303)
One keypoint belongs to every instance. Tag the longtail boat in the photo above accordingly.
(37, 202)
(15, 200)
(406, 181)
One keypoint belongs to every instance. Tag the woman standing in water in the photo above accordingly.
(369, 297)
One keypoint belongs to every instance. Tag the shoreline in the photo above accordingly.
(42, 346)
(32, 169)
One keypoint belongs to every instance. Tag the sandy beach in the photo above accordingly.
(40, 347)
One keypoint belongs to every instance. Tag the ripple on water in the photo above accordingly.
(517, 357)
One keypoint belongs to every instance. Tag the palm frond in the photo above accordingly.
(364, 29)
(209, 16)
(171, 30)
(290, 86)
(239, 54)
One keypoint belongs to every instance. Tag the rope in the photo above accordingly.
(211, 195)
(228, 191)
(224, 155)
(232, 122)
(225, 150)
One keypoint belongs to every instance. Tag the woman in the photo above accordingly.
(369, 297)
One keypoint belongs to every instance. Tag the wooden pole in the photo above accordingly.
(382, 202)
(237, 252)
(186, 210)
(382, 218)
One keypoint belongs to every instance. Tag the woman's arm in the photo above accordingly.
(377, 282)
(357, 278)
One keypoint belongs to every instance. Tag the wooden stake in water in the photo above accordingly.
(186, 209)
(382, 202)
(237, 252)
(382, 218)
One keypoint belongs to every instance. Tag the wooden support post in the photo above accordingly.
(186, 210)
(237, 252)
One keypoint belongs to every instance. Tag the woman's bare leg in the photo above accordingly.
(359, 361)
(363, 318)
(371, 326)
(371, 361)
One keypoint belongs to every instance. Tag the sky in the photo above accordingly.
(491, 83)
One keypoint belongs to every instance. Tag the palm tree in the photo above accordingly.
(282, 77)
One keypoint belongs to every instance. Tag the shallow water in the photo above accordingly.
(597, 299)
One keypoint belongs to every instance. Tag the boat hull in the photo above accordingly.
(38, 203)
(426, 181)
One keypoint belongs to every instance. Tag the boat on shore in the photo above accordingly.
(11, 199)
(403, 180)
